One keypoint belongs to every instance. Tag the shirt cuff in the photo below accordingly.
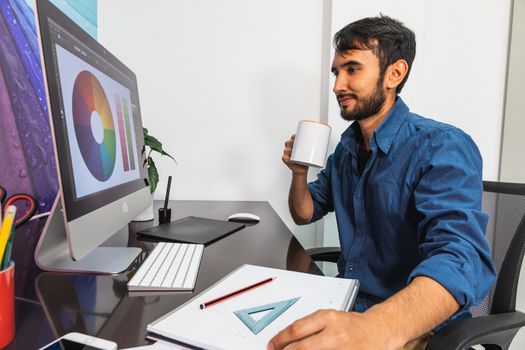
(319, 210)
(454, 276)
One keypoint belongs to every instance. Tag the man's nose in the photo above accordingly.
(339, 84)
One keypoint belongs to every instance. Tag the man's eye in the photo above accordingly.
(352, 69)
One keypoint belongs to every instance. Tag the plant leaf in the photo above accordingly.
(166, 154)
(155, 145)
(153, 175)
(152, 143)
(151, 163)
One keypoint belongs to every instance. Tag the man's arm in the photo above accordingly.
(408, 314)
(299, 199)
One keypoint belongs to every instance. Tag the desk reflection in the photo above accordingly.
(95, 305)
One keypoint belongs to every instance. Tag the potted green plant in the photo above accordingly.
(151, 144)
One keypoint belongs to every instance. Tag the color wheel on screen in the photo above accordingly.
(94, 127)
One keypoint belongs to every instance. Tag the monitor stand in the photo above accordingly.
(52, 251)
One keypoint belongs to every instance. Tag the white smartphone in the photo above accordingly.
(79, 341)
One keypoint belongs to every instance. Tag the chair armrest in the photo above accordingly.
(498, 329)
(330, 254)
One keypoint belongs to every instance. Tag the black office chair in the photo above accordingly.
(495, 322)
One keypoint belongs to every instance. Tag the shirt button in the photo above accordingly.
(359, 197)
(350, 267)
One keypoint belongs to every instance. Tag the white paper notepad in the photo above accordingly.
(218, 327)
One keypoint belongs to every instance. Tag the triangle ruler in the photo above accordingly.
(273, 311)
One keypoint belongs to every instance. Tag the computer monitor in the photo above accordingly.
(99, 149)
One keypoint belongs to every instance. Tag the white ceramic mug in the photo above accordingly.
(311, 143)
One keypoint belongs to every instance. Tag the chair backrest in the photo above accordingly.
(505, 204)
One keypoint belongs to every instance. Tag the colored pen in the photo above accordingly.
(7, 255)
(8, 248)
(235, 293)
(5, 232)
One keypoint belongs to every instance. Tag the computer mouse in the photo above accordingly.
(244, 218)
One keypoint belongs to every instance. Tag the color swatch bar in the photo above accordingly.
(122, 136)
(128, 134)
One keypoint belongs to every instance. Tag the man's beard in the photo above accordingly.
(366, 106)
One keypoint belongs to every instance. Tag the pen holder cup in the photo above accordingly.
(164, 215)
(7, 305)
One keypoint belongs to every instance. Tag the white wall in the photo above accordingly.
(514, 125)
(222, 85)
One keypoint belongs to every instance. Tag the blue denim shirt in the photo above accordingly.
(414, 211)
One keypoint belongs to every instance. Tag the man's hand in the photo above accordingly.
(297, 169)
(331, 329)
(407, 315)
(299, 199)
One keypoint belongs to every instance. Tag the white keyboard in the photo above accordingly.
(170, 266)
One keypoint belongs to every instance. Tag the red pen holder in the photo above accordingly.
(7, 305)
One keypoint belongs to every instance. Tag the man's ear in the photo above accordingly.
(395, 73)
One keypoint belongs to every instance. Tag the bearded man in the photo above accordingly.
(406, 191)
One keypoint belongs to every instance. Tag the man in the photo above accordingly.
(406, 192)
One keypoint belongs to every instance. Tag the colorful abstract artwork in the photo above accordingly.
(26, 151)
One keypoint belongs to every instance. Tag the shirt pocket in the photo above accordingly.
(387, 198)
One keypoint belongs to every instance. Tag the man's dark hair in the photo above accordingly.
(388, 39)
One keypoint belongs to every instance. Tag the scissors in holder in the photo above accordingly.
(25, 203)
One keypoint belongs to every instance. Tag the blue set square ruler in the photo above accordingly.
(275, 309)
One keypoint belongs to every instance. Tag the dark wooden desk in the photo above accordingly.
(48, 305)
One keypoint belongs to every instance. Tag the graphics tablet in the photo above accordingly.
(192, 229)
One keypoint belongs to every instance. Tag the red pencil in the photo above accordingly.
(235, 293)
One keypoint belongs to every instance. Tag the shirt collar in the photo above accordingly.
(387, 130)
(383, 135)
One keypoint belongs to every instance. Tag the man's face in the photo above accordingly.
(358, 84)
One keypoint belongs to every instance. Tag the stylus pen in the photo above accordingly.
(235, 293)
(167, 193)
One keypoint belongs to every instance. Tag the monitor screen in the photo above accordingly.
(98, 158)
(97, 121)
(98, 141)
